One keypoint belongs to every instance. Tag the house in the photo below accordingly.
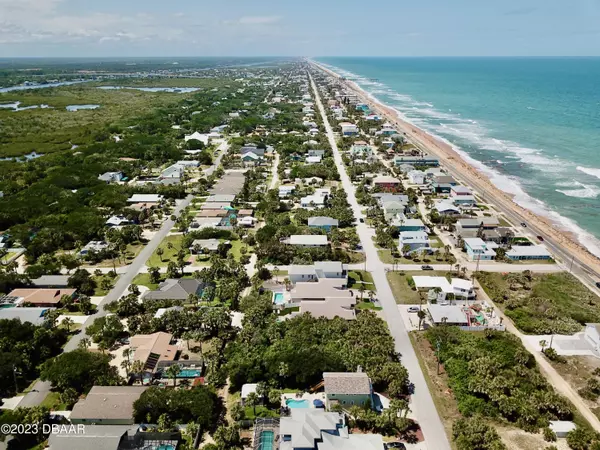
(41, 297)
(329, 308)
(315, 152)
(460, 191)
(592, 335)
(416, 177)
(34, 315)
(528, 252)
(361, 148)
(348, 129)
(416, 241)
(220, 198)
(111, 177)
(173, 171)
(387, 130)
(286, 190)
(324, 223)
(51, 281)
(308, 240)
(317, 429)
(347, 389)
(448, 314)
(310, 160)
(145, 198)
(322, 289)
(247, 389)
(320, 270)
(313, 201)
(387, 183)
(250, 157)
(445, 208)
(410, 225)
(562, 428)
(176, 289)
(205, 245)
(464, 200)
(405, 168)
(107, 405)
(392, 208)
(247, 221)
(250, 148)
(150, 349)
(416, 161)
(478, 250)
(204, 138)
(112, 437)
(117, 221)
(94, 246)
(162, 311)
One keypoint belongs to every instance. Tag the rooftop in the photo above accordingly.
(452, 313)
(349, 383)
(108, 403)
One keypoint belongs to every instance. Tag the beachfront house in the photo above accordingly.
(448, 315)
(478, 250)
(416, 161)
(415, 240)
(347, 389)
(528, 252)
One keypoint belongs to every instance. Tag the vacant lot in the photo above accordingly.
(171, 245)
(356, 278)
(403, 293)
(543, 303)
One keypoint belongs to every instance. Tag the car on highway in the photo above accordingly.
(413, 309)
(598, 284)
(540, 238)
(426, 267)
(361, 220)
(523, 224)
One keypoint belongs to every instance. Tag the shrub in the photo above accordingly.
(549, 435)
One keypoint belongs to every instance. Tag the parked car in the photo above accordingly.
(413, 309)
(361, 220)
(426, 267)
(399, 445)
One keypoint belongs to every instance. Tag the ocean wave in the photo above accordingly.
(590, 171)
(581, 190)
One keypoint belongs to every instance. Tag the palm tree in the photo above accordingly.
(138, 368)
(172, 372)
(252, 400)
(362, 290)
(421, 315)
(160, 252)
(67, 322)
(457, 267)
(85, 343)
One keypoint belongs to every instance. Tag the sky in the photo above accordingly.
(104, 28)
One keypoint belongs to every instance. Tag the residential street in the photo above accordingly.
(422, 403)
(41, 389)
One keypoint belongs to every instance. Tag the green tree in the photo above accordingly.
(172, 372)
(252, 400)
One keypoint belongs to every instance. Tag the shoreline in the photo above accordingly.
(472, 176)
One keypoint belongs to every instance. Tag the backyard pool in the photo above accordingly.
(278, 298)
(267, 438)
(189, 373)
(291, 403)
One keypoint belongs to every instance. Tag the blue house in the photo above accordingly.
(411, 225)
(324, 223)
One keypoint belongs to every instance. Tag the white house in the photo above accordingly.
(477, 249)
(416, 240)
(313, 201)
(117, 221)
(312, 160)
(204, 138)
(416, 177)
(308, 240)
(332, 270)
(525, 252)
(348, 129)
(111, 177)
(286, 190)
(145, 198)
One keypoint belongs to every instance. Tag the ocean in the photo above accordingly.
(531, 124)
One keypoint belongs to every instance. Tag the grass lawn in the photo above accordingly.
(503, 222)
(279, 273)
(236, 246)
(542, 303)
(143, 279)
(99, 292)
(261, 411)
(358, 277)
(444, 400)
(52, 401)
(386, 257)
(368, 305)
(435, 242)
(170, 254)
(403, 294)
(130, 254)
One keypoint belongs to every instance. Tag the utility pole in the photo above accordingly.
(437, 353)
(571, 265)
(15, 378)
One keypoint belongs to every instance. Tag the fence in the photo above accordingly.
(483, 328)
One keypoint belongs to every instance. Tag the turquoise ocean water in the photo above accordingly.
(532, 125)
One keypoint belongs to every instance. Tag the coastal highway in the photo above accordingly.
(421, 402)
(569, 261)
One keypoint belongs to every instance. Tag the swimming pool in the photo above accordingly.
(189, 373)
(267, 438)
(278, 298)
(165, 447)
(291, 403)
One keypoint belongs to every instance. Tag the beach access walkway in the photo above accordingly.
(421, 402)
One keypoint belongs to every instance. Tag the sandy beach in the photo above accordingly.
(450, 159)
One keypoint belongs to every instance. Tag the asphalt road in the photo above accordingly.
(421, 403)
(42, 388)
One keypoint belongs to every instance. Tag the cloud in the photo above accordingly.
(255, 20)
(521, 11)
